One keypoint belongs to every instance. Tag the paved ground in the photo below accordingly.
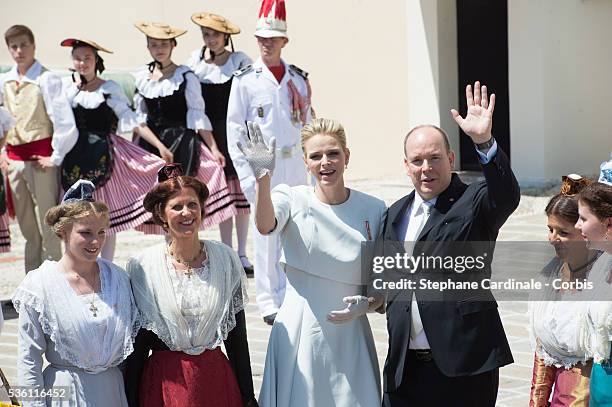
(526, 224)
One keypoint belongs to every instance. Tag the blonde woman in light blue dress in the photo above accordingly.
(321, 350)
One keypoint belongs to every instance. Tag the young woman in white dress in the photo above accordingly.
(321, 350)
(78, 312)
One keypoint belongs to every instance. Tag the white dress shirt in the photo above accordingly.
(407, 231)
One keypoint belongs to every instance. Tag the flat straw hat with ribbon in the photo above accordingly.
(215, 22)
(159, 31)
(73, 42)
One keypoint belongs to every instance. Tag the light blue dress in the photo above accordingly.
(310, 361)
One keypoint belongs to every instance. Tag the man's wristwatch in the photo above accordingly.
(486, 145)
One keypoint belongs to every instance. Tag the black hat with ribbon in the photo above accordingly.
(169, 171)
(82, 190)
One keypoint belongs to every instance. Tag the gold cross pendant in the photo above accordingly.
(93, 309)
(189, 273)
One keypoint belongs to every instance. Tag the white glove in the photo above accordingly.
(260, 157)
(357, 306)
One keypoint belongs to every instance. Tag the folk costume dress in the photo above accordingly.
(83, 337)
(122, 172)
(558, 327)
(310, 361)
(174, 110)
(6, 122)
(216, 82)
(185, 319)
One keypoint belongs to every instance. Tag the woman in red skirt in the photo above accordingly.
(191, 295)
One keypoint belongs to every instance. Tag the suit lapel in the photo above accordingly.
(395, 215)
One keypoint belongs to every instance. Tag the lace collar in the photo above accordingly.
(156, 300)
(62, 317)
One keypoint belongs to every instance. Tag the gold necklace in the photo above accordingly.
(186, 262)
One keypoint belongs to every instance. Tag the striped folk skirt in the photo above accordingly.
(133, 175)
(5, 238)
(239, 201)
(219, 205)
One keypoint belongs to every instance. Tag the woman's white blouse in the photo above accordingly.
(150, 89)
(212, 73)
(110, 93)
(189, 291)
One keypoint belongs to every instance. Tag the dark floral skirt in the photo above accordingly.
(91, 159)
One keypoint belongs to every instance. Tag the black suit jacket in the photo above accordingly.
(466, 334)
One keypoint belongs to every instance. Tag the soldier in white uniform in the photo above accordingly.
(276, 96)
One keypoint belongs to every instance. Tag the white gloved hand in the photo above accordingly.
(260, 157)
(357, 306)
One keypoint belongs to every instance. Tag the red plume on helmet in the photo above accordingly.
(272, 20)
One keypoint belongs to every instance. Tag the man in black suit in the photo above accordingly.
(448, 352)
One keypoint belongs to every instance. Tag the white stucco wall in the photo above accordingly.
(432, 62)
(354, 50)
(560, 68)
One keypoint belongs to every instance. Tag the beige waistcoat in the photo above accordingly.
(26, 104)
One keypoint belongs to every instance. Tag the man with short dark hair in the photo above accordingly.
(44, 132)
(448, 352)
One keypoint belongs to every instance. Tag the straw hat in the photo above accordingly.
(159, 31)
(272, 20)
(215, 22)
(72, 42)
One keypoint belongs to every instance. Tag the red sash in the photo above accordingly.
(24, 152)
